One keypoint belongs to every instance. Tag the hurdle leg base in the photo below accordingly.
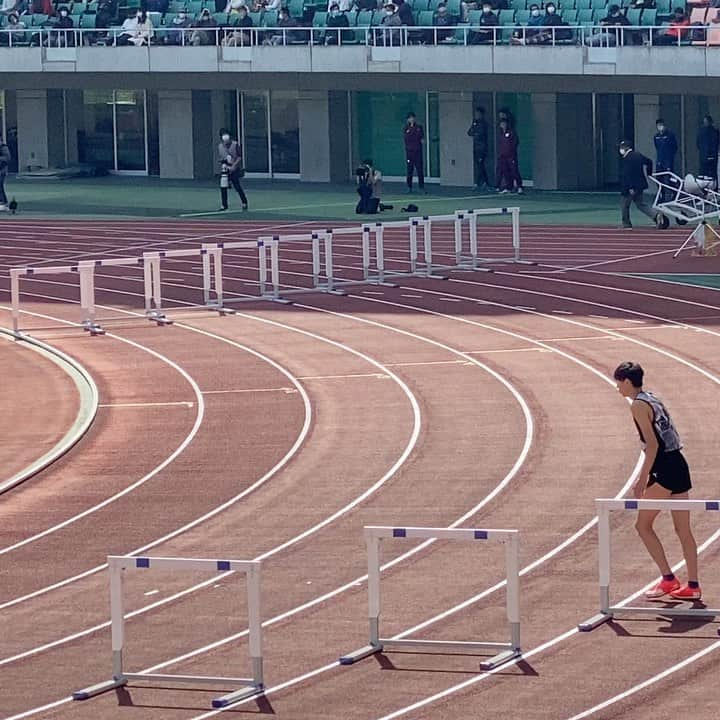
(279, 300)
(594, 622)
(103, 687)
(159, 319)
(361, 654)
(237, 695)
(223, 311)
(500, 659)
(93, 328)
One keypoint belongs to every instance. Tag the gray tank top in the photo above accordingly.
(667, 435)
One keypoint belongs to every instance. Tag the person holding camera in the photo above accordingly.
(231, 169)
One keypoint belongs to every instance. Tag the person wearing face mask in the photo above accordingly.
(488, 21)
(136, 30)
(62, 35)
(231, 169)
(635, 169)
(441, 19)
(16, 28)
(507, 174)
(177, 34)
(666, 147)
(389, 33)
(611, 31)
(240, 35)
(553, 27)
(413, 136)
(337, 20)
(531, 32)
(204, 30)
(708, 144)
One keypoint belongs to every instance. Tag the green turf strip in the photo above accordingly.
(707, 280)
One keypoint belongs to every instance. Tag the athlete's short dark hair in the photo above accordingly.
(631, 371)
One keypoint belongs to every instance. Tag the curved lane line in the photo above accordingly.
(89, 400)
(180, 448)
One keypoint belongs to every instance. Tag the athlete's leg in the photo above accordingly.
(644, 527)
(681, 521)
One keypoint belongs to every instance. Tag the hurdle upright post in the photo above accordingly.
(604, 558)
(365, 240)
(207, 281)
(117, 618)
(516, 233)
(380, 251)
(15, 298)
(373, 550)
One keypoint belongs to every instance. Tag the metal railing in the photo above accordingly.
(373, 36)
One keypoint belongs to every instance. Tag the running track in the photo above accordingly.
(279, 432)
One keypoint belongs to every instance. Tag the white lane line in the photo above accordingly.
(138, 483)
(286, 390)
(379, 376)
(525, 570)
(179, 403)
(418, 297)
(650, 681)
(561, 312)
(215, 511)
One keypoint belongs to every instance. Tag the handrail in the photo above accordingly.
(705, 35)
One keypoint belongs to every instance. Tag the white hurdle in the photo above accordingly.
(507, 650)
(118, 565)
(608, 611)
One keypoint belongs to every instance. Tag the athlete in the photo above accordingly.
(664, 475)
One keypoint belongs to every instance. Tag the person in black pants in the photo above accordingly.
(5, 159)
(413, 135)
(634, 182)
(708, 143)
(231, 169)
(479, 133)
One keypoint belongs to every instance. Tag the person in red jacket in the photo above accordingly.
(413, 134)
(508, 170)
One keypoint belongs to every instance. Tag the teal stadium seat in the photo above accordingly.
(454, 7)
(506, 18)
(522, 17)
(598, 4)
(582, 4)
(649, 17)
(570, 16)
(221, 19)
(425, 18)
(77, 9)
(257, 18)
(363, 18)
(633, 16)
(585, 16)
(418, 5)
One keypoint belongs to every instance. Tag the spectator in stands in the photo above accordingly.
(285, 23)
(508, 169)
(529, 34)
(137, 30)
(5, 159)
(389, 33)
(204, 29)
(413, 136)
(61, 35)
(708, 143)
(177, 35)
(15, 30)
(336, 20)
(405, 13)
(679, 29)
(240, 35)
(635, 167)
(233, 7)
(343, 5)
(611, 32)
(104, 18)
(552, 25)
(272, 6)
(478, 131)
(489, 21)
(8, 6)
(442, 19)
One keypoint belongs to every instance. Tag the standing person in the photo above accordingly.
(634, 183)
(507, 173)
(5, 159)
(413, 134)
(231, 169)
(478, 131)
(664, 475)
(708, 143)
(666, 147)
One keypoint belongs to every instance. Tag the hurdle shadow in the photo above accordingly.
(386, 663)
(259, 705)
(676, 625)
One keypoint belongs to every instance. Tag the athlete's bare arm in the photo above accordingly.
(643, 415)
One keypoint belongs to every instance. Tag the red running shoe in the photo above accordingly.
(686, 593)
(663, 588)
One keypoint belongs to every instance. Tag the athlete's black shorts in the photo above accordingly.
(670, 470)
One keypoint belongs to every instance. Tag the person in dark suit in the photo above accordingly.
(635, 169)
(708, 144)
(479, 133)
(666, 147)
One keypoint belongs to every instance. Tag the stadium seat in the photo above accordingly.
(221, 18)
(91, 7)
(634, 16)
(506, 18)
(362, 18)
(585, 16)
(713, 33)
(433, 4)
(474, 17)
(418, 5)
(454, 7)
(296, 8)
(649, 18)
(257, 18)
(522, 17)
(425, 18)
(570, 16)
(582, 4)
(664, 7)
(38, 19)
(78, 8)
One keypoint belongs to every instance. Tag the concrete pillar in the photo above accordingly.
(693, 115)
(314, 126)
(456, 161)
(545, 149)
(204, 135)
(175, 133)
(341, 169)
(74, 122)
(647, 111)
(576, 157)
(32, 124)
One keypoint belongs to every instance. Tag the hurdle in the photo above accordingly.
(85, 270)
(506, 651)
(119, 564)
(608, 611)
